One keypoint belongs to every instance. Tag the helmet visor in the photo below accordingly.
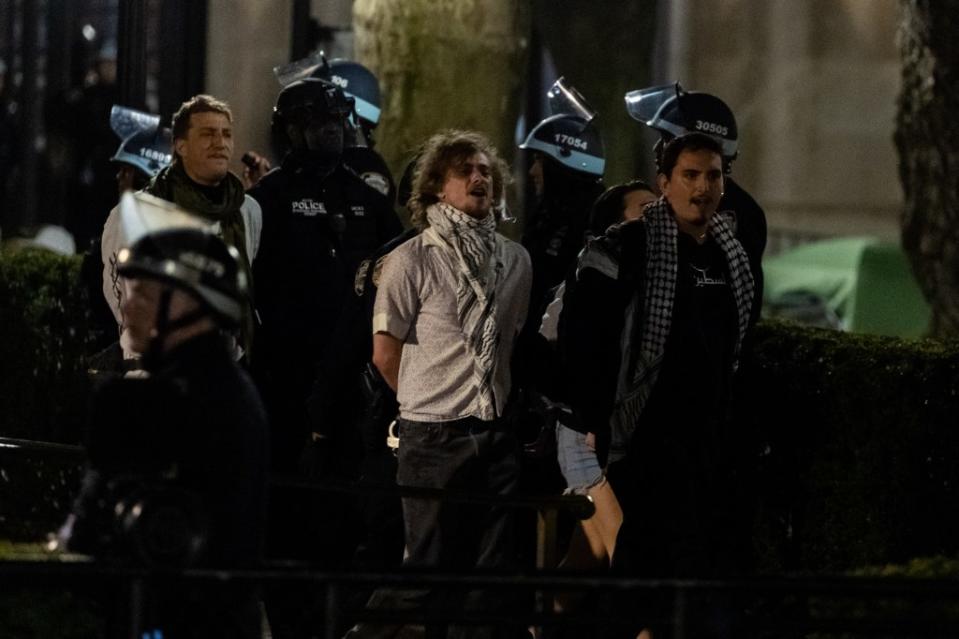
(566, 100)
(287, 74)
(141, 214)
(127, 122)
(643, 104)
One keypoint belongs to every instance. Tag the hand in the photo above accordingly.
(255, 166)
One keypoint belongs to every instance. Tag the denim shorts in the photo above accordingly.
(576, 460)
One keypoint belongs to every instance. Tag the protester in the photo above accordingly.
(651, 333)
(672, 112)
(198, 180)
(450, 303)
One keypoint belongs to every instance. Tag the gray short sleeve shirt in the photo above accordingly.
(416, 303)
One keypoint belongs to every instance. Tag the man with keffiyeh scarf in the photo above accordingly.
(651, 331)
(450, 304)
(200, 182)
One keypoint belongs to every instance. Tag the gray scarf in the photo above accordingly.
(639, 369)
(478, 253)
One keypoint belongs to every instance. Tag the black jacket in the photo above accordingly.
(197, 426)
(315, 234)
(591, 325)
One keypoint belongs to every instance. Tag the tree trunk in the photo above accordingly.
(927, 137)
(442, 64)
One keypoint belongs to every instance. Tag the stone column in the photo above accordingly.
(245, 41)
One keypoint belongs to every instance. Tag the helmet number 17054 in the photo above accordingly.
(569, 140)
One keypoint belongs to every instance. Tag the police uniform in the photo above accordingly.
(372, 169)
(316, 231)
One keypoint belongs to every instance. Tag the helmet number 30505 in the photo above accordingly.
(569, 140)
(711, 127)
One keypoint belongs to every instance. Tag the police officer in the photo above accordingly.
(567, 173)
(185, 482)
(359, 83)
(673, 112)
(320, 220)
(144, 150)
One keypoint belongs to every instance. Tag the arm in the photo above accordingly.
(387, 351)
(110, 244)
(394, 313)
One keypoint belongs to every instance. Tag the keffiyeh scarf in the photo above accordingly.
(639, 369)
(477, 252)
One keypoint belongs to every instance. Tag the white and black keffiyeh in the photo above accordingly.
(478, 251)
(640, 369)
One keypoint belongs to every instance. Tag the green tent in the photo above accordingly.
(864, 283)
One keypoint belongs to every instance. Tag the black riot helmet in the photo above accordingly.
(196, 261)
(309, 100)
(675, 112)
(571, 141)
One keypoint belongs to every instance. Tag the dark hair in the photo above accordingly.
(688, 142)
(442, 152)
(197, 104)
(608, 207)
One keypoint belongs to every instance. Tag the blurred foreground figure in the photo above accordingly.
(179, 459)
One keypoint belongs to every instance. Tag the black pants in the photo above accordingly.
(462, 455)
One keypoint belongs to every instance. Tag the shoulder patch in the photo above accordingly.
(378, 269)
(377, 182)
(359, 280)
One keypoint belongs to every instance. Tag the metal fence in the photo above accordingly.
(799, 606)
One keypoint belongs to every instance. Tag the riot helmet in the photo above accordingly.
(146, 146)
(194, 260)
(358, 83)
(571, 141)
(675, 112)
(312, 115)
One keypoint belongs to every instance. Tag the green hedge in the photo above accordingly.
(45, 337)
(852, 443)
(848, 445)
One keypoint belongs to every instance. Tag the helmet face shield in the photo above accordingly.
(287, 74)
(673, 111)
(566, 100)
(126, 122)
(644, 104)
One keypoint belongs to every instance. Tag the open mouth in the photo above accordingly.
(479, 191)
(701, 202)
